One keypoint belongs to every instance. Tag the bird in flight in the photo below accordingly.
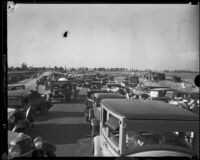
(65, 34)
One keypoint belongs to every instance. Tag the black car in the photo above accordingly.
(22, 145)
(61, 91)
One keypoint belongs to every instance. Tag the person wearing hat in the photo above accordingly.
(191, 103)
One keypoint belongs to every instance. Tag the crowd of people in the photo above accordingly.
(188, 102)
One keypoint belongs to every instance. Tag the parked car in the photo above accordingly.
(20, 120)
(95, 85)
(132, 85)
(90, 100)
(144, 90)
(61, 91)
(22, 145)
(143, 128)
(134, 79)
(176, 79)
(94, 112)
(87, 82)
(113, 87)
(12, 87)
(24, 98)
(159, 94)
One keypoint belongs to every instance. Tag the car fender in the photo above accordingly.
(96, 146)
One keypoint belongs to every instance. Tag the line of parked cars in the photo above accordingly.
(23, 106)
(140, 127)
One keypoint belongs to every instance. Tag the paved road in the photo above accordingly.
(65, 126)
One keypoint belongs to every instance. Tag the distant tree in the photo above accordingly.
(24, 67)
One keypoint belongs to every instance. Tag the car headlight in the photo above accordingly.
(14, 151)
(37, 142)
(42, 95)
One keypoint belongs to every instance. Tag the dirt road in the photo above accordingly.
(64, 126)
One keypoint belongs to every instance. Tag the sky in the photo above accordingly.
(135, 36)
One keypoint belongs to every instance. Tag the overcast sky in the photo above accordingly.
(104, 35)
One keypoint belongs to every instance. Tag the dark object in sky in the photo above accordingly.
(65, 34)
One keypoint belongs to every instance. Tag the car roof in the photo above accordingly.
(18, 93)
(147, 109)
(108, 95)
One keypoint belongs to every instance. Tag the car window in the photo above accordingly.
(138, 139)
(113, 130)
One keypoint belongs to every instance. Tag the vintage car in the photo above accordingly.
(12, 87)
(42, 80)
(176, 79)
(87, 82)
(132, 85)
(142, 128)
(113, 87)
(94, 112)
(24, 98)
(90, 100)
(95, 85)
(22, 145)
(134, 79)
(20, 120)
(75, 90)
(144, 90)
(61, 91)
(160, 94)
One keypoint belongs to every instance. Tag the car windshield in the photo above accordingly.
(14, 101)
(140, 139)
